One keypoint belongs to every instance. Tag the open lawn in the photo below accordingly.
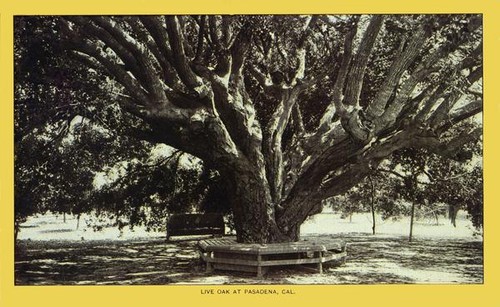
(437, 255)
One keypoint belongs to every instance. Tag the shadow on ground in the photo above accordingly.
(371, 260)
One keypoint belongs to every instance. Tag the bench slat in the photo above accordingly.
(275, 262)
(266, 249)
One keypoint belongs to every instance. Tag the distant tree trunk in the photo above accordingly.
(452, 213)
(78, 221)
(372, 205)
(17, 228)
(64, 217)
(412, 216)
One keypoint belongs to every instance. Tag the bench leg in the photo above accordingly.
(344, 259)
(259, 267)
(320, 262)
(209, 268)
(261, 271)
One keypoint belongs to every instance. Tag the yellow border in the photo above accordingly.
(409, 295)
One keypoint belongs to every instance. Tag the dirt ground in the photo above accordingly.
(380, 259)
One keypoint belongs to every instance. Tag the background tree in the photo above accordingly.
(348, 203)
(412, 167)
(376, 194)
(459, 186)
(147, 192)
(289, 110)
(432, 186)
(69, 128)
(427, 180)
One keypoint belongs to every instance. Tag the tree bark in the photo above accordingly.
(253, 210)
(193, 92)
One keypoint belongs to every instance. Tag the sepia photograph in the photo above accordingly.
(285, 149)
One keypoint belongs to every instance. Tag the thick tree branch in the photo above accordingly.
(273, 136)
(264, 80)
(398, 67)
(465, 112)
(180, 60)
(430, 102)
(114, 70)
(239, 50)
(449, 148)
(139, 25)
(147, 70)
(343, 71)
(201, 39)
(92, 31)
(353, 119)
(336, 107)
(428, 65)
(214, 33)
(358, 65)
(155, 27)
(301, 50)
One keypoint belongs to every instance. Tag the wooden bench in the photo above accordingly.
(226, 254)
(195, 224)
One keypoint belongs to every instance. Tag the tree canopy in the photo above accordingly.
(289, 110)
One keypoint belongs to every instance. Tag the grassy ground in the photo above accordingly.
(371, 260)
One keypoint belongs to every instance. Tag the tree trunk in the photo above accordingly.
(373, 220)
(260, 218)
(411, 221)
(254, 216)
(252, 225)
(78, 221)
(373, 205)
(17, 228)
(453, 211)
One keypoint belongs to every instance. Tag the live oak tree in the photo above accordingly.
(289, 110)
